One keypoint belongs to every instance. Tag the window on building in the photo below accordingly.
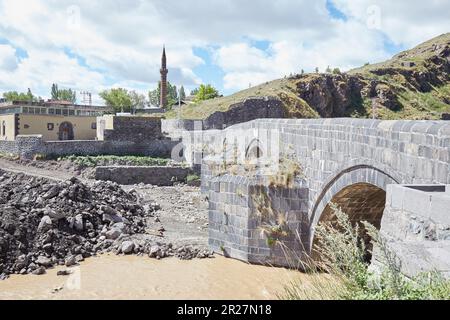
(65, 112)
(78, 112)
(58, 111)
(71, 112)
(51, 111)
(25, 109)
(37, 110)
(94, 125)
(50, 126)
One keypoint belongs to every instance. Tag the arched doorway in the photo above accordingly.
(65, 131)
(361, 202)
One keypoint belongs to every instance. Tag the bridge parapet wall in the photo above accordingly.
(416, 225)
(415, 152)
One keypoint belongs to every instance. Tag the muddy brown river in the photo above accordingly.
(133, 277)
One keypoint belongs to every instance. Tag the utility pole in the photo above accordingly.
(179, 102)
(87, 98)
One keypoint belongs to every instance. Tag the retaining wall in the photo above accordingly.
(29, 146)
(416, 225)
(130, 175)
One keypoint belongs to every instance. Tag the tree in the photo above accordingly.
(206, 92)
(154, 96)
(54, 91)
(20, 96)
(317, 69)
(194, 92)
(138, 100)
(182, 93)
(63, 94)
(336, 71)
(118, 99)
(328, 69)
(303, 71)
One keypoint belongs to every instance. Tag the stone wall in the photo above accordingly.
(28, 146)
(249, 109)
(174, 128)
(134, 129)
(238, 227)
(129, 175)
(416, 225)
(8, 147)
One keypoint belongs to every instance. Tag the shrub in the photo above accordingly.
(342, 255)
(94, 161)
(192, 178)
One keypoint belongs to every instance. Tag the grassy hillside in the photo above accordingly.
(283, 88)
(414, 84)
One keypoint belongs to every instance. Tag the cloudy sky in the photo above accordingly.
(92, 45)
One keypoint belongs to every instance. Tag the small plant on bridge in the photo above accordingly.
(289, 169)
(273, 224)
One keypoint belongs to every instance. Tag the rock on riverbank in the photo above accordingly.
(45, 223)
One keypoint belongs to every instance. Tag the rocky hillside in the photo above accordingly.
(414, 84)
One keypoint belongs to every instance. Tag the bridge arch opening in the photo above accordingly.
(254, 151)
(361, 202)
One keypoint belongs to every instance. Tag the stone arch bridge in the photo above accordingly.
(270, 181)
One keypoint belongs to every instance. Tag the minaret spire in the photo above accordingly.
(164, 72)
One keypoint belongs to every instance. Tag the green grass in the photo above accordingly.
(95, 161)
(343, 257)
(192, 178)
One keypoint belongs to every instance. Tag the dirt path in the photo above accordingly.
(184, 212)
(34, 171)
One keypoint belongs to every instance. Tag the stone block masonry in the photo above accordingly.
(130, 175)
(29, 146)
(246, 221)
(416, 225)
(247, 110)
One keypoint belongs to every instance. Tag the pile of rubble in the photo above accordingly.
(45, 223)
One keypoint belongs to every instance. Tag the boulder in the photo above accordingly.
(127, 247)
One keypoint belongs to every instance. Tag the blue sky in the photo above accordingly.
(231, 44)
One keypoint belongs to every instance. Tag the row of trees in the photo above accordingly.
(63, 94)
(122, 100)
(56, 94)
(20, 96)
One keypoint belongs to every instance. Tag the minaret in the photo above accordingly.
(164, 72)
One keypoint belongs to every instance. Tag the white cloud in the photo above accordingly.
(407, 23)
(8, 59)
(350, 45)
(119, 42)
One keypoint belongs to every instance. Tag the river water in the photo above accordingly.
(133, 277)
